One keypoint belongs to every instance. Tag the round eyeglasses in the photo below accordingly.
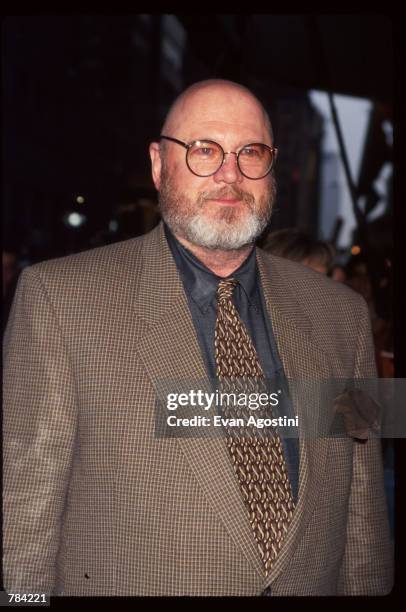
(205, 157)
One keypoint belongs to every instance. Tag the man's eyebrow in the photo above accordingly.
(243, 142)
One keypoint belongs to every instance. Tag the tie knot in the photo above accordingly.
(225, 289)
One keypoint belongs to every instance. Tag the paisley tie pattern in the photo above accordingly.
(258, 459)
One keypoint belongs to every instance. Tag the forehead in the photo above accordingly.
(221, 114)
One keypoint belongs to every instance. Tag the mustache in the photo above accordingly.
(228, 192)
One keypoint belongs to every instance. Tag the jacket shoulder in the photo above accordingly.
(311, 287)
(93, 268)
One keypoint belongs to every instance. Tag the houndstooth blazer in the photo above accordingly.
(96, 504)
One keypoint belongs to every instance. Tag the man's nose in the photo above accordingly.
(229, 171)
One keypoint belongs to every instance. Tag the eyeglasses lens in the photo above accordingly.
(255, 160)
(204, 158)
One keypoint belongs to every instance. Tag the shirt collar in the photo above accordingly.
(201, 283)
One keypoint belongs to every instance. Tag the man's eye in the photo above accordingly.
(205, 151)
(250, 152)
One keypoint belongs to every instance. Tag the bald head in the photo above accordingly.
(213, 99)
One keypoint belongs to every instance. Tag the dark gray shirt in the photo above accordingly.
(200, 285)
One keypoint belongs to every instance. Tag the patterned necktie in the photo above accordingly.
(258, 460)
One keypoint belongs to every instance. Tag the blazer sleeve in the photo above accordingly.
(367, 567)
(39, 425)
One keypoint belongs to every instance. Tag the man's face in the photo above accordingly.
(226, 210)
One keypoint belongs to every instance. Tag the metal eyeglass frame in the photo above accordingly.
(273, 150)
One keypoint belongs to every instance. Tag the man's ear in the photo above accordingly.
(156, 163)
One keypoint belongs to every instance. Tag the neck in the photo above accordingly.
(222, 263)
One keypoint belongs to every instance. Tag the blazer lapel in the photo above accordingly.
(302, 360)
(170, 350)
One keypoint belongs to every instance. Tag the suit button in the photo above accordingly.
(267, 592)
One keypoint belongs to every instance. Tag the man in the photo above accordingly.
(95, 502)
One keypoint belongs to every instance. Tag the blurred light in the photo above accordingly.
(80, 199)
(75, 219)
(388, 131)
(113, 225)
(355, 250)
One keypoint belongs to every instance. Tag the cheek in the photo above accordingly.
(268, 189)
(183, 178)
(261, 194)
(192, 186)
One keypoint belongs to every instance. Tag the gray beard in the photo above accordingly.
(224, 232)
(220, 234)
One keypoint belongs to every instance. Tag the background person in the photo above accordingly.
(298, 246)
